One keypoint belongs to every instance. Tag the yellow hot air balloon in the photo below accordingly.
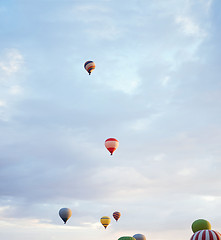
(105, 221)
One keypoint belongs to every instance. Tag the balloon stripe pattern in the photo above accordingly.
(116, 215)
(111, 144)
(105, 221)
(206, 235)
(89, 66)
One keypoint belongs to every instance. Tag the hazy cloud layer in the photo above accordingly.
(156, 88)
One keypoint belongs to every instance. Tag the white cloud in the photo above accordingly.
(186, 172)
(11, 77)
(165, 81)
(210, 198)
(160, 157)
(12, 62)
(189, 27)
(2, 103)
(51, 165)
(142, 124)
(16, 89)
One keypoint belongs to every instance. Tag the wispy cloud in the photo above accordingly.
(11, 62)
(11, 77)
(189, 27)
(154, 88)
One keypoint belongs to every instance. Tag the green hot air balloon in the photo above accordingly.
(126, 238)
(200, 224)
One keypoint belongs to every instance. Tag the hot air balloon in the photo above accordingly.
(139, 237)
(105, 221)
(65, 214)
(126, 238)
(89, 66)
(200, 224)
(116, 215)
(111, 144)
(206, 235)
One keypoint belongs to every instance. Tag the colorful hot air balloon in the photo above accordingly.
(200, 224)
(89, 66)
(139, 237)
(206, 235)
(111, 144)
(65, 214)
(105, 221)
(126, 238)
(116, 215)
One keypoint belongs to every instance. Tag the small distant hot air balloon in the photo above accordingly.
(200, 224)
(105, 221)
(65, 214)
(139, 237)
(116, 215)
(89, 66)
(206, 235)
(126, 238)
(111, 144)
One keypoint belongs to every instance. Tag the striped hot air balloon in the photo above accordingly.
(89, 66)
(206, 235)
(111, 144)
(116, 215)
(105, 221)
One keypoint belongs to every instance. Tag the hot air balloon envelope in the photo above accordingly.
(111, 144)
(200, 224)
(126, 238)
(89, 66)
(65, 214)
(139, 237)
(116, 215)
(105, 221)
(206, 235)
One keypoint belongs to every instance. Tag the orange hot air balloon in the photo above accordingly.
(89, 66)
(116, 215)
(111, 144)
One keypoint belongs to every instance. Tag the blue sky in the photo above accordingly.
(156, 88)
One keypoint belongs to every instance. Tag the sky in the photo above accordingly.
(156, 88)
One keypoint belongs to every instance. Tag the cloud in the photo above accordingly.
(189, 27)
(154, 88)
(2, 103)
(12, 62)
(97, 21)
(12, 75)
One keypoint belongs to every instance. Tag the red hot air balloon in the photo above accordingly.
(206, 235)
(116, 215)
(111, 144)
(89, 66)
